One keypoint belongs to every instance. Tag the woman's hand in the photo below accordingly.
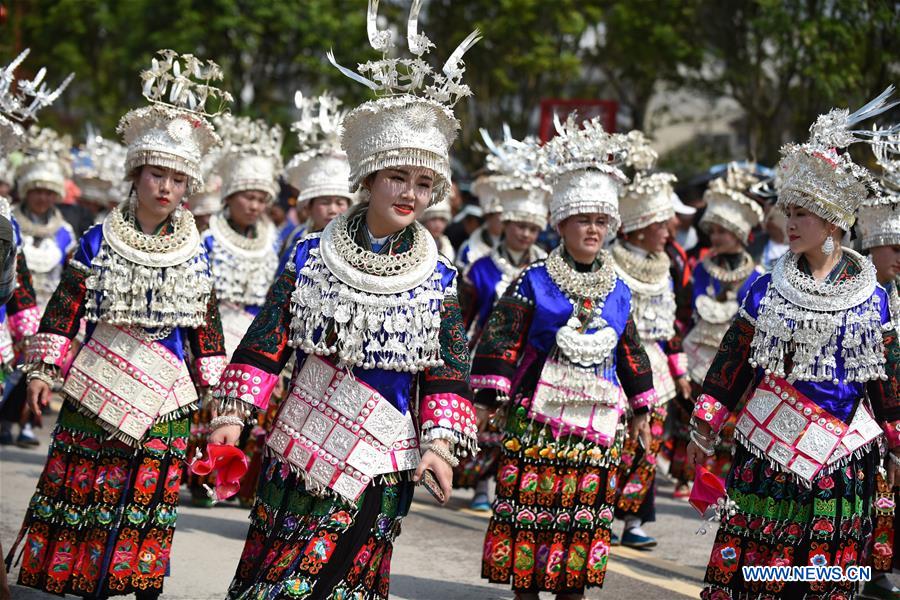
(695, 456)
(640, 429)
(443, 472)
(684, 387)
(226, 434)
(37, 398)
(893, 472)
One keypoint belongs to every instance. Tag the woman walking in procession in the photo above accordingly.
(102, 518)
(562, 352)
(368, 308)
(814, 349)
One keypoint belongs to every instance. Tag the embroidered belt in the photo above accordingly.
(128, 382)
(802, 437)
(235, 323)
(575, 411)
(340, 433)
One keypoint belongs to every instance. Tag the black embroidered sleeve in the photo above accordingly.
(885, 395)
(468, 301)
(503, 339)
(66, 306)
(632, 362)
(265, 345)
(23, 296)
(453, 376)
(730, 374)
(208, 339)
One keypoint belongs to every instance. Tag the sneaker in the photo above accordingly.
(614, 540)
(636, 538)
(480, 502)
(27, 438)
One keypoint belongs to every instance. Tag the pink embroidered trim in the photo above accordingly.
(210, 369)
(48, 348)
(643, 399)
(490, 382)
(450, 412)
(25, 323)
(246, 383)
(892, 431)
(712, 411)
(678, 364)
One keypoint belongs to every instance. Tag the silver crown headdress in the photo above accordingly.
(20, 102)
(251, 155)
(174, 132)
(727, 202)
(99, 170)
(47, 161)
(517, 167)
(583, 167)
(320, 168)
(401, 127)
(816, 177)
(878, 222)
(648, 198)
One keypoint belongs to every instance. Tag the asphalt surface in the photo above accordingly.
(438, 555)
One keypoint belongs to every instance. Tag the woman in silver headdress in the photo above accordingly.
(368, 310)
(102, 519)
(814, 351)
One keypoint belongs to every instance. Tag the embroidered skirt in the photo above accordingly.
(550, 528)
(482, 465)
(311, 547)
(637, 472)
(782, 523)
(102, 518)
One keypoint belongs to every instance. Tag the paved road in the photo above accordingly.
(438, 555)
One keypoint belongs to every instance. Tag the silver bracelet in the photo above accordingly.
(702, 442)
(225, 420)
(894, 458)
(444, 454)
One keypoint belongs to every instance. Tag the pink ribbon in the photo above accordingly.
(229, 463)
(707, 490)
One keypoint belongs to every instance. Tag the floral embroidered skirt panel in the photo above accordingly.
(102, 518)
(301, 545)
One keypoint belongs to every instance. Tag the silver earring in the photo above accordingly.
(828, 246)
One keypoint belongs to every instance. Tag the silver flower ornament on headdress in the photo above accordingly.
(20, 101)
(583, 168)
(174, 131)
(815, 176)
(517, 177)
(411, 123)
(320, 167)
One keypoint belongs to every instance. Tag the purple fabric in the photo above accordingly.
(395, 386)
(838, 399)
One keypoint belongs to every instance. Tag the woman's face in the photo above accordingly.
(435, 226)
(160, 191)
(887, 262)
(325, 208)
(39, 201)
(398, 196)
(520, 235)
(806, 230)
(246, 207)
(583, 235)
(651, 238)
(723, 241)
